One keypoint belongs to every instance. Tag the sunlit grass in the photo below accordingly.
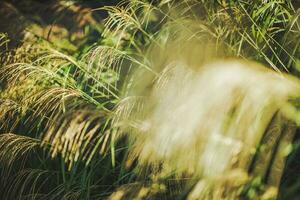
(131, 109)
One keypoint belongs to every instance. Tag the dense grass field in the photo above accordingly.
(146, 99)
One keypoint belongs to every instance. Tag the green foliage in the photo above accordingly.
(62, 102)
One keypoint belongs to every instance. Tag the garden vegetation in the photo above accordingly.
(168, 99)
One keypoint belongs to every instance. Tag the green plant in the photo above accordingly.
(75, 109)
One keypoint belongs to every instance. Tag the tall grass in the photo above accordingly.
(122, 117)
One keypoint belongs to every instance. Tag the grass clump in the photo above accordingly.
(117, 119)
